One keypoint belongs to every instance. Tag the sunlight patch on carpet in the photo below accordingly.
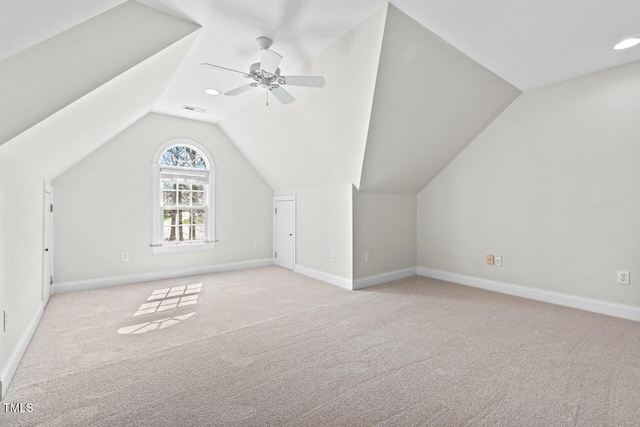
(156, 325)
(169, 298)
(176, 291)
(167, 304)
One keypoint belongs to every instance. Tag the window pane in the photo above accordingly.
(170, 217)
(169, 185)
(169, 198)
(199, 232)
(197, 198)
(185, 217)
(169, 234)
(185, 198)
(186, 233)
(183, 187)
(179, 232)
(182, 156)
(168, 158)
(198, 187)
(198, 216)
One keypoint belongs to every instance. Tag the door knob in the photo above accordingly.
(290, 234)
(46, 249)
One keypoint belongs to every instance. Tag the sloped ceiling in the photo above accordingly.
(39, 81)
(392, 115)
(320, 138)
(300, 29)
(528, 43)
(534, 43)
(66, 137)
(79, 113)
(430, 102)
(25, 23)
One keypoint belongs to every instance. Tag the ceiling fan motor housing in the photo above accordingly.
(264, 79)
(255, 70)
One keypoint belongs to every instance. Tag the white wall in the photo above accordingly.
(552, 186)
(104, 205)
(430, 102)
(21, 219)
(385, 226)
(336, 219)
(324, 225)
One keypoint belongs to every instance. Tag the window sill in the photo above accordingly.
(162, 249)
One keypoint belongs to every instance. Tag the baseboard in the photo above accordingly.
(379, 279)
(324, 277)
(83, 285)
(567, 300)
(14, 360)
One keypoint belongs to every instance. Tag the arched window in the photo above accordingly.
(184, 197)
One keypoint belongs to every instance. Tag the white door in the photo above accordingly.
(47, 274)
(285, 233)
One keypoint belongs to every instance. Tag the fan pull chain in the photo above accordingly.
(267, 97)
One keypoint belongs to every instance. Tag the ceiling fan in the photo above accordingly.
(266, 74)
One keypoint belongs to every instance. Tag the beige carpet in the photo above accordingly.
(270, 347)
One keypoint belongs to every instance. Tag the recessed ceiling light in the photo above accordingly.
(627, 43)
(213, 92)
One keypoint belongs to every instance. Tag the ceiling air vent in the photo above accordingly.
(196, 109)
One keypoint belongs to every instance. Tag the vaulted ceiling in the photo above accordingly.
(320, 139)
(527, 43)
(399, 105)
(66, 96)
(407, 87)
(430, 102)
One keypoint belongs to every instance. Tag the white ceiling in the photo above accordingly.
(97, 83)
(528, 43)
(25, 23)
(416, 130)
(533, 43)
(321, 138)
(71, 64)
(300, 30)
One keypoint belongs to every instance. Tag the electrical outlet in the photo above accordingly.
(256, 245)
(125, 256)
(333, 258)
(367, 256)
(5, 320)
(624, 278)
(497, 260)
(490, 260)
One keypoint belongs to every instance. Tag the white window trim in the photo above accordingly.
(157, 245)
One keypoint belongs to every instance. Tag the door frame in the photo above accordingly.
(48, 188)
(287, 198)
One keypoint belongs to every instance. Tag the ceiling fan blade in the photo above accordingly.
(225, 68)
(306, 81)
(283, 96)
(270, 61)
(241, 89)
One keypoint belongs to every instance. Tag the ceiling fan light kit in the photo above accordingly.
(266, 75)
